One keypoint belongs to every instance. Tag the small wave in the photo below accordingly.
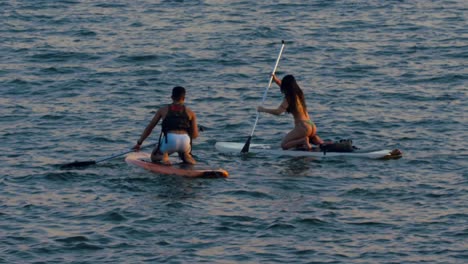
(130, 232)
(52, 117)
(62, 56)
(373, 224)
(458, 216)
(443, 79)
(254, 194)
(137, 58)
(111, 5)
(174, 204)
(72, 239)
(111, 216)
(85, 246)
(85, 33)
(136, 24)
(240, 218)
(62, 70)
(19, 82)
(163, 243)
(60, 176)
(311, 221)
(305, 252)
(281, 226)
(374, 193)
(439, 195)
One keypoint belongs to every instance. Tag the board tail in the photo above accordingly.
(394, 154)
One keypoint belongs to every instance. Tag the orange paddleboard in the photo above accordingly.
(142, 159)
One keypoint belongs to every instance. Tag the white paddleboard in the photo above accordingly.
(235, 148)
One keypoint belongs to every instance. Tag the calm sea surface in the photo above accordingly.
(80, 80)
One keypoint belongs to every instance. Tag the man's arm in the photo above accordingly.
(149, 128)
(194, 125)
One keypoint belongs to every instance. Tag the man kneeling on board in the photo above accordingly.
(179, 127)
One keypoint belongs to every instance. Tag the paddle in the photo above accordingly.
(246, 147)
(76, 164)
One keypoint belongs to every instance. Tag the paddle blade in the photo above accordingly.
(246, 147)
(78, 164)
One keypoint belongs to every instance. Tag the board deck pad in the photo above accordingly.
(142, 159)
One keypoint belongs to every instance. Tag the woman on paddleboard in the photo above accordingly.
(304, 130)
(179, 127)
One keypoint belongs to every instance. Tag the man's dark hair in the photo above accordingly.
(178, 93)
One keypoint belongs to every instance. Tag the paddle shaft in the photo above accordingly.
(92, 162)
(247, 144)
(118, 154)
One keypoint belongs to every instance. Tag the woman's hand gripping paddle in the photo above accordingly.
(246, 147)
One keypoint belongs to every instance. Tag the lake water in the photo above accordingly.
(80, 80)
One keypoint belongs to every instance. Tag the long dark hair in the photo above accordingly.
(292, 92)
